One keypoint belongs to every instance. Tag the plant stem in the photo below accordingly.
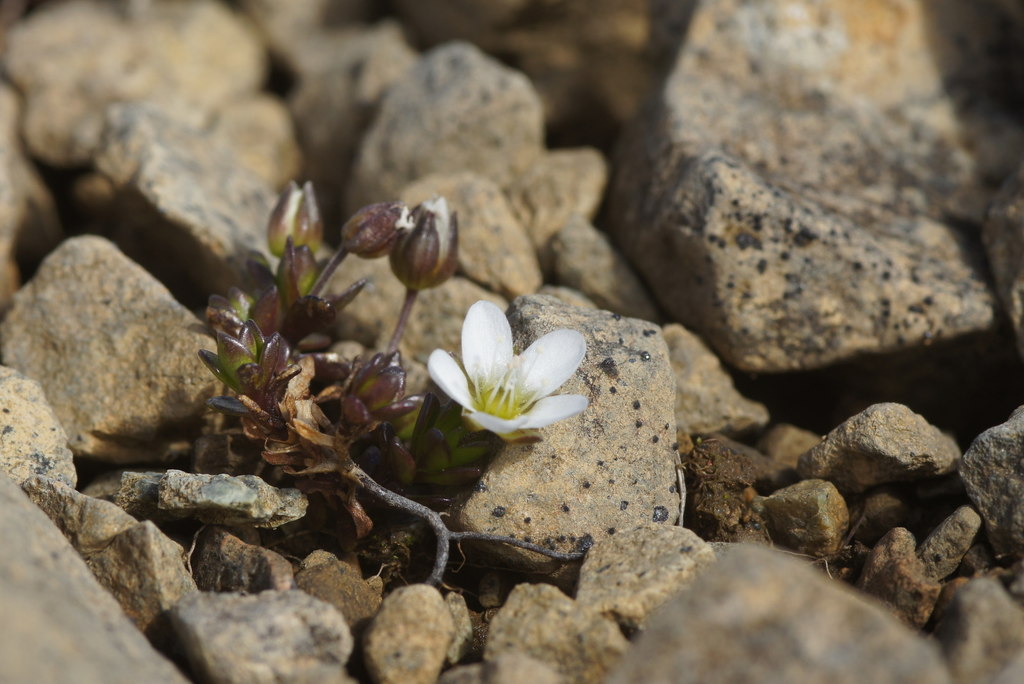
(403, 318)
(329, 269)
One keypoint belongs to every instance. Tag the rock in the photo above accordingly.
(74, 59)
(84, 328)
(509, 668)
(982, 631)
(784, 443)
(567, 295)
(761, 606)
(542, 622)
(884, 443)
(722, 505)
(260, 130)
(225, 453)
(410, 636)
(943, 549)
(343, 586)
(1012, 673)
(809, 517)
(991, 471)
(881, 509)
(462, 623)
(455, 110)
(274, 636)
(212, 499)
(223, 562)
(584, 259)
(88, 523)
(32, 441)
(894, 574)
(60, 624)
(1003, 236)
(563, 496)
(706, 400)
(184, 206)
(627, 576)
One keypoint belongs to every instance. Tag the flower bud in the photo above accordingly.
(296, 215)
(372, 230)
(427, 255)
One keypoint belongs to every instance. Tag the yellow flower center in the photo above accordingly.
(501, 399)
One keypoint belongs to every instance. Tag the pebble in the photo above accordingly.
(982, 631)
(223, 562)
(991, 473)
(343, 586)
(895, 575)
(944, 549)
(32, 440)
(508, 668)
(406, 643)
(809, 517)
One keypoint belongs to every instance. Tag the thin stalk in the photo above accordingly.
(329, 269)
(403, 318)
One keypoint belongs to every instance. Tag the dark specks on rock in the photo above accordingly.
(565, 508)
(649, 332)
(609, 368)
(480, 486)
(498, 511)
(746, 241)
(660, 514)
(623, 505)
(584, 543)
(611, 531)
(613, 390)
(586, 485)
(636, 404)
(645, 356)
(762, 265)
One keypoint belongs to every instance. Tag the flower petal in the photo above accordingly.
(550, 361)
(486, 341)
(499, 426)
(445, 371)
(552, 409)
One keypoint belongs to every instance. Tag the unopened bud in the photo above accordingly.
(296, 215)
(427, 255)
(372, 230)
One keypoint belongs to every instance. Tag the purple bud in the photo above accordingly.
(426, 255)
(372, 230)
(296, 216)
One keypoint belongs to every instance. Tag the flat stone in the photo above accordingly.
(223, 562)
(894, 574)
(765, 607)
(343, 586)
(991, 471)
(273, 636)
(564, 496)
(32, 441)
(509, 668)
(884, 443)
(408, 640)
(542, 622)
(809, 517)
(982, 631)
(83, 328)
(630, 574)
(944, 549)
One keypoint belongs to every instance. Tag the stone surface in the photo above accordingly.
(223, 562)
(556, 492)
(273, 636)
(542, 622)
(259, 129)
(1003, 236)
(342, 586)
(982, 631)
(783, 443)
(84, 328)
(632, 573)
(406, 643)
(32, 441)
(894, 574)
(59, 623)
(763, 616)
(455, 110)
(168, 53)
(462, 624)
(509, 668)
(991, 471)
(943, 549)
(884, 443)
(809, 517)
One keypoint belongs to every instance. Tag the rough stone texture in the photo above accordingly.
(894, 574)
(810, 517)
(88, 523)
(706, 400)
(560, 493)
(223, 562)
(628, 575)
(982, 631)
(1003, 235)
(542, 622)
(342, 586)
(114, 352)
(509, 668)
(212, 499)
(584, 259)
(785, 255)
(943, 549)
(494, 249)
(462, 624)
(168, 53)
(59, 624)
(455, 110)
(274, 636)
(884, 443)
(32, 441)
(992, 473)
(260, 130)
(185, 206)
(406, 643)
(763, 607)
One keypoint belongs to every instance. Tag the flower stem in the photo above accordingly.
(403, 318)
(329, 269)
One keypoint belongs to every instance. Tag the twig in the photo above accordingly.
(329, 269)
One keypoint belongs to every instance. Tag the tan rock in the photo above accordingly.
(408, 640)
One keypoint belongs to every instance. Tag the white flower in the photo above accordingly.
(504, 393)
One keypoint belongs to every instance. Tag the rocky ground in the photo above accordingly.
(791, 232)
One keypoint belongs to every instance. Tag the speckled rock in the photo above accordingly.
(260, 131)
(212, 499)
(84, 328)
(982, 631)
(406, 643)
(274, 636)
(809, 517)
(943, 549)
(894, 574)
(494, 249)
(761, 606)
(60, 625)
(991, 471)
(584, 259)
(169, 53)
(884, 443)
(342, 586)
(32, 441)
(627, 576)
(455, 110)
(542, 622)
(462, 627)
(556, 494)
(223, 562)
